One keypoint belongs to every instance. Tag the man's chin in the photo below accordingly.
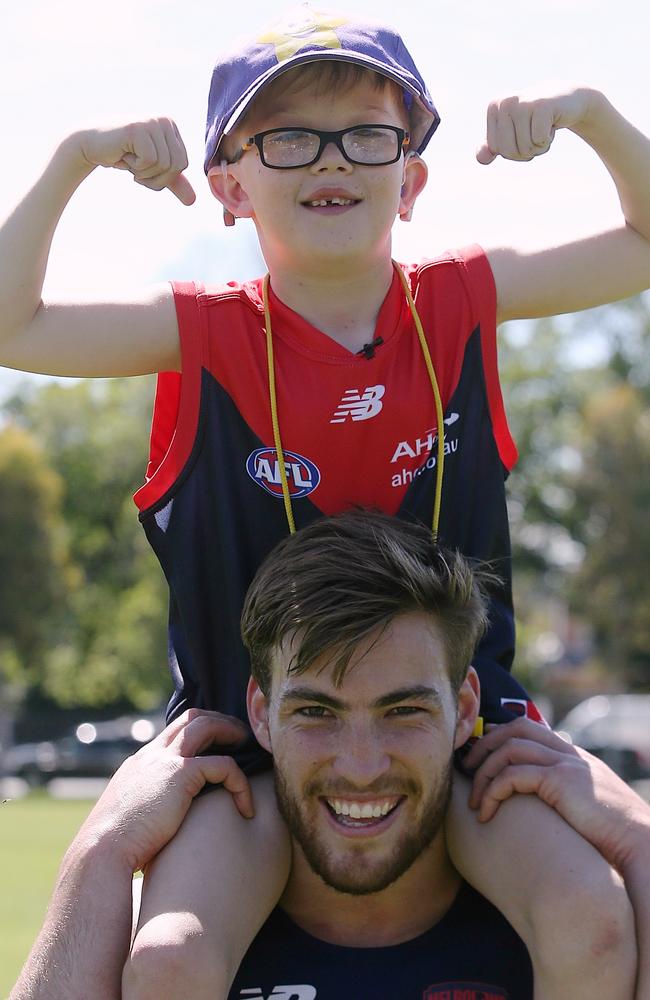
(354, 881)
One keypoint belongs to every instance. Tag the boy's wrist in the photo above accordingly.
(70, 153)
(636, 847)
(597, 112)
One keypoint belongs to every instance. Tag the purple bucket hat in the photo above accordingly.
(303, 36)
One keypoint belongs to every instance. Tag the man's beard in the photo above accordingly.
(353, 878)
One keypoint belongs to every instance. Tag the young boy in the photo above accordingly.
(312, 394)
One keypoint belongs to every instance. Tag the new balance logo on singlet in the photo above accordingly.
(280, 993)
(359, 406)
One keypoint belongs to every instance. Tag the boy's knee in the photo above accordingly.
(172, 958)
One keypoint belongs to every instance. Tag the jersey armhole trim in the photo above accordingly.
(482, 292)
(177, 401)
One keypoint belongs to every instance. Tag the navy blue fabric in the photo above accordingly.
(472, 953)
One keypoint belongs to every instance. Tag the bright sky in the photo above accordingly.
(74, 63)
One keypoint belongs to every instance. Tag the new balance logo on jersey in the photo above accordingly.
(359, 406)
(280, 993)
(302, 475)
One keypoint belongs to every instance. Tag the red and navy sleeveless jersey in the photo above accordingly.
(355, 430)
(471, 954)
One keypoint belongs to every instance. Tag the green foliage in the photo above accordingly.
(578, 398)
(36, 574)
(107, 629)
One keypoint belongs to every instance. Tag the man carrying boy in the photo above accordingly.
(362, 705)
(329, 386)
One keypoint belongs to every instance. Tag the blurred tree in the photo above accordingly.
(37, 576)
(112, 646)
(612, 492)
(578, 397)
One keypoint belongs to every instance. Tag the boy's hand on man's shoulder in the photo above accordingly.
(153, 151)
(149, 796)
(522, 126)
(524, 757)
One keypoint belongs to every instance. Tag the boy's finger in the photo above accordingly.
(224, 771)
(495, 736)
(523, 779)
(205, 731)
(515, 752)
(485, 155)
(181, 187)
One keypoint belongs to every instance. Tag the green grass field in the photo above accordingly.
(34, 833)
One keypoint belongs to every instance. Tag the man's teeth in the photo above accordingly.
(322, 202)
(362, 810)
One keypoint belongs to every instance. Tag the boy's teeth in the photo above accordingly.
(322, 202)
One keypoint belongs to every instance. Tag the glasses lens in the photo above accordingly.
(371, 144)
(289, 148)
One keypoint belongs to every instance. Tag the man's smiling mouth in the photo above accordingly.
(349, 812)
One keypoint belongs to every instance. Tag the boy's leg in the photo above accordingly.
(205, 897)
(556, 890)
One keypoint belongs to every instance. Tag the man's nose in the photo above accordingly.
(361, 758)
(331, 159)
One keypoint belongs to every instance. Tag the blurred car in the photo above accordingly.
(91, 750)
(615, 728)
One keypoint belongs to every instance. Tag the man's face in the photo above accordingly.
(293, 226)
(363, 770)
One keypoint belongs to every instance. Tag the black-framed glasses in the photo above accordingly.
(288, 148)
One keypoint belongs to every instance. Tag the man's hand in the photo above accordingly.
(147, 799)
(523, 126)
(152, 151)
(525, 757)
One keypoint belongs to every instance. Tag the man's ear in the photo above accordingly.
(469, 702)
(227, 189)
(258, 713)
(415, 177)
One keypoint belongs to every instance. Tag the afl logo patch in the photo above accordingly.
(302, 475)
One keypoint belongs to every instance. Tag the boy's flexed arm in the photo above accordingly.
(590, 271)
(128, 337)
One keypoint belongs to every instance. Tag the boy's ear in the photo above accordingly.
(415, 177)
(227, 189)
(258, 713)
(469, 701)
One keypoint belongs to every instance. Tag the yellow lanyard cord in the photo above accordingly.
(286, 496)
(274, 410)
(440, 463)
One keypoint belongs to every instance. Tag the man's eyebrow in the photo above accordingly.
(417, 692)
(307, 693)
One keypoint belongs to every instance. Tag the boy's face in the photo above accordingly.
(293, 231)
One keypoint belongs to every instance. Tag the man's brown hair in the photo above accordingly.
(335, 582)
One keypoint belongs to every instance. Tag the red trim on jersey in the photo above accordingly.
(177, 402)
(481, 278)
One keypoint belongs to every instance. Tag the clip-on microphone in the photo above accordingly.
(368, 350)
